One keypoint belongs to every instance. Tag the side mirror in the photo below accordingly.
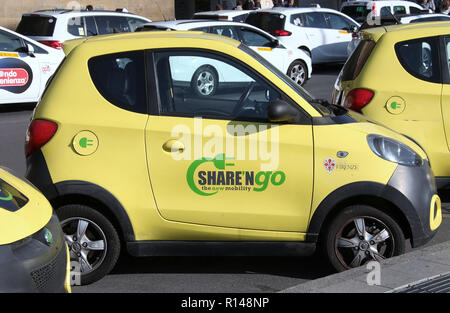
(30, 50)
(279, 111)
(274, 43)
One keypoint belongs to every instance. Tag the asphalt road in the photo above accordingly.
(194, 274)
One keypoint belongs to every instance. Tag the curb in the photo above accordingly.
(396, 273)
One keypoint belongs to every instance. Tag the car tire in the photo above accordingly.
(360, 234)
(205, 81)
(298, 72)
(92, 239)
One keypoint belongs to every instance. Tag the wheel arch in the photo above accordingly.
(98, 198)
(306, 49)
(381, 197)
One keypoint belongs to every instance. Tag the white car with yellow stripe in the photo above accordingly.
(25, 67)
(290, 60)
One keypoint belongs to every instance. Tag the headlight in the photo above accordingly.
(393, 151)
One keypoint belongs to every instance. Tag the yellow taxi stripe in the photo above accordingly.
(264, 49)
(9, 54)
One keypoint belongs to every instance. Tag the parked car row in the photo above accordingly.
(152, 169)
(291, 38)
(338, 182)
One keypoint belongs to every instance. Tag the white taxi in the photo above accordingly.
(25, 67)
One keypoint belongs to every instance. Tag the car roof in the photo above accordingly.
(224, 12)
(69, 13)
(425, 29)
(425, 15)
(186, 24)
(288, 11)
(197, 23)
(365, 2)
(137, 39)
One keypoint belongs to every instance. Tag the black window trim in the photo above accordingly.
(437, 42)
(85, 26)
(443, 57)
(155, 104)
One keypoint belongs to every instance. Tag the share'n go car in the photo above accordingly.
(25, 67)
(33, 252)
(399, 75)
(262, 168)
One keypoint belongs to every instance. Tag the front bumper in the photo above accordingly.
(414, 191)
(36, 264)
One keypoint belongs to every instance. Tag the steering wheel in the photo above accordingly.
(238, 108)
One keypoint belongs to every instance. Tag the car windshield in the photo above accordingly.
(357, 12)
(270, 22)
(10, 198)
(36, 25)
(320, 105)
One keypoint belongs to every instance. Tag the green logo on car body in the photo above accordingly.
(208, 183)
(395, 105)
(8, 197)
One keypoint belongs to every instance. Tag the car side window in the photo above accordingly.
(207, 85)
(91, 27)
(414, 10)
(202, 29)
(225, 31)
(447, 50)
(337, 22)
(112, 24)
(420, 58)
(75, 26)
(314, 19)
(120, 78)
(252, 38)
(240, 18)
(399, 10)
(134, 23)
(385, 11)
(9, 42)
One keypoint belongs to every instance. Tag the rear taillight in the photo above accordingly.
(52, 43)
(358, 98)
(282, 32)
(38, 134)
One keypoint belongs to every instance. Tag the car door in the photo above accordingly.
(338, 35)
(19, 71)
(214, 159)
(264, 45)
(445, 102)
(315, 27)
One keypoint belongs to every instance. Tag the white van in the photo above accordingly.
(358, 10)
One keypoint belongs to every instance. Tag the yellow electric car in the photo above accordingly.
(33, 253)
(185, 143)
(400, 76)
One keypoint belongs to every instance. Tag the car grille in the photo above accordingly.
(49, 276)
